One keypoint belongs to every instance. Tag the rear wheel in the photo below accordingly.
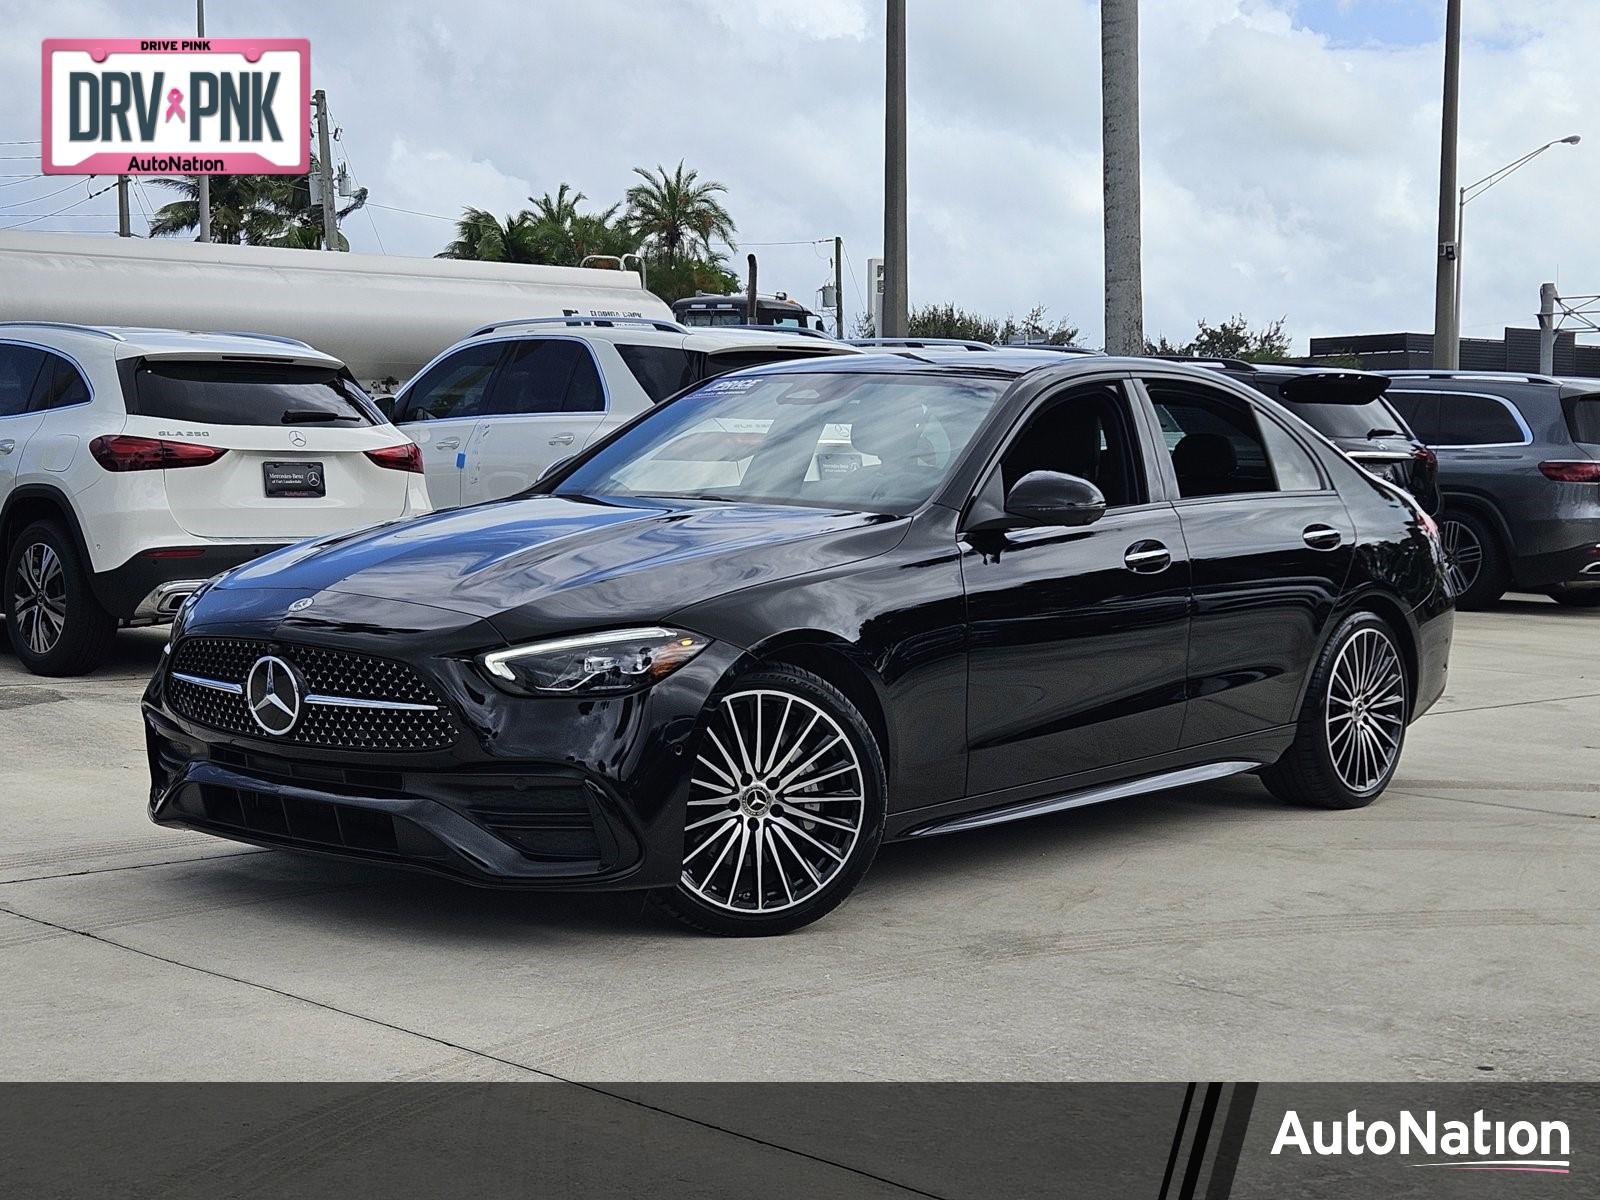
(786, 807)
(1473, 559)
(1353, 725)
(57, 626)
(1576, 597)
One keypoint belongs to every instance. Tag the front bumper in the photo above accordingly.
(533, 793)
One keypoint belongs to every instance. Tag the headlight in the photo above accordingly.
(595, 664)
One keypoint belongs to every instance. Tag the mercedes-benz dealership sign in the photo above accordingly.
(198, 106)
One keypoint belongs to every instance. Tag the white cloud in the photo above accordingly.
(1286, 173)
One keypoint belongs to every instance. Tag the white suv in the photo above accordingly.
(500, 407)
(136, 463)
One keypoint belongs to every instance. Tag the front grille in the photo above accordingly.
(333, 674)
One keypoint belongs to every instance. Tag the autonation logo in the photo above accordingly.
(1476, 1145)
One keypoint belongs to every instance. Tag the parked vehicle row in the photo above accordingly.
(731, 647)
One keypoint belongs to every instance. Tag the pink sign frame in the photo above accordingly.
(237, 162)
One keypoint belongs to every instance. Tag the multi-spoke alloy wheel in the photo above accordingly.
(785, 806)
(1366, 710)
(1463, 554)
(39, 598)
(1352, 726)
(55, 623)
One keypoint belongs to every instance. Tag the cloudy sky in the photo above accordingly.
(1290, 146)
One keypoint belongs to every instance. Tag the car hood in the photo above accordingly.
(549, 563)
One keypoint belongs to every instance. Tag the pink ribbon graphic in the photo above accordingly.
(175, 105)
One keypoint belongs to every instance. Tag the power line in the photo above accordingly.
(59, 211)
(21, 142)
(411, 212)
(46, 196)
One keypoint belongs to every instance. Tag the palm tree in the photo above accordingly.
(679, 213)
(254, 210)
(480, 235)
(560, 209)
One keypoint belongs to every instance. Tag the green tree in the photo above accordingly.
(481, 235)
(679, 213)
(252, 210)
(952, 321)
(1233, 338)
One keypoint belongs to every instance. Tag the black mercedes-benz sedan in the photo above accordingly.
(800, 610)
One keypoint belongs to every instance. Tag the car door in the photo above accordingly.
(440, 411)
(1077, 635)
(546, 402)
(1270, 547)
(19, 371)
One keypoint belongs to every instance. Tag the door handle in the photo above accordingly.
(448, 443)
(1147, 558)
(7, 446)
(1322, 537)
(561, 439)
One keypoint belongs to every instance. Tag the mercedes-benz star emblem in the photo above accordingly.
(301, 604)
(296, 438)
(272, 693)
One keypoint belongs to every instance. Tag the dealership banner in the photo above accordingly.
(197, 106)
(1194, 1141)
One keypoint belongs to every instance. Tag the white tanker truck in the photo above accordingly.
(385, 317)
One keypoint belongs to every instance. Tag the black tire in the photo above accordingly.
(1492, 576)
(85, 633)
(792, 814)
(1576, 597)
(1308, 772)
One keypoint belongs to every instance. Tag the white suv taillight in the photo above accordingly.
(124, 452)
(406, 457)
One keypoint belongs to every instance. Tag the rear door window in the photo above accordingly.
(660, 370)
(60, 385)
(19, 367)
(1466, 420)
(1215, 440)
(1421, 413)
(247, 393)
(547, 375)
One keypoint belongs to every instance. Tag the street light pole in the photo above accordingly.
(895, 293)
(1446, 338)
(204, 196)
(1119, 134)
(1473, 190)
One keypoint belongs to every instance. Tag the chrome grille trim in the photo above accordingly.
(233, 689)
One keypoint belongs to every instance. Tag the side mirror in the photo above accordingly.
(1051, 498)
(385, 404)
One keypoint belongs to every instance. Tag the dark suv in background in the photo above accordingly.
(1349, 409)
(1519, 466)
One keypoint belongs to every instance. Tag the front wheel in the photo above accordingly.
(1353, 725)
(786, 807)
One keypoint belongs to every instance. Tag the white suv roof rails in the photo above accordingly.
(69, 325)
(605, 322)
(1498, 376)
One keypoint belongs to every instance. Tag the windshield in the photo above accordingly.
(869, 443)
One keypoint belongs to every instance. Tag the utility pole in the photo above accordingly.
(1547, 329)
(838, 287)
(330, 222)
(895, 303)
(1446, 337)
(204, 196)
(124, 224)
(1119, 124)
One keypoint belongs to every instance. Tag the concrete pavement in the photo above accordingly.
(1450, 931)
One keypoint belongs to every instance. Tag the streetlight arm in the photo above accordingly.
(1473, 190)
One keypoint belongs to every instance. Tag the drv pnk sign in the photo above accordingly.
(197, 106)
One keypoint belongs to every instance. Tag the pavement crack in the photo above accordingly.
(1436, 711)
(594, 1089)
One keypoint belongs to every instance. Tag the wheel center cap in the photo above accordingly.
(756, 800)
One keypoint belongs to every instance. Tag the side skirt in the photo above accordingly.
(1182, 777)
